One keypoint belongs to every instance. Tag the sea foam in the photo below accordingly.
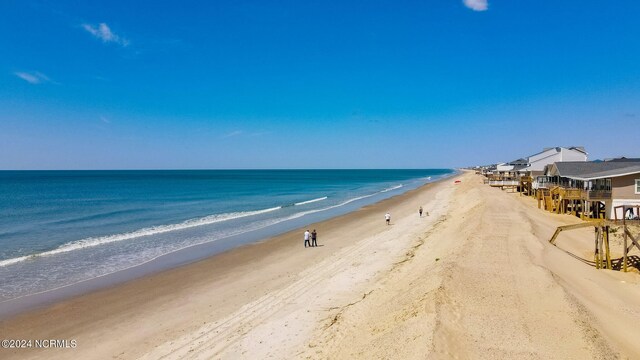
(207, 220)
(310, 201)
(101, 240)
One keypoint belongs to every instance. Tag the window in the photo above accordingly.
(637, 186)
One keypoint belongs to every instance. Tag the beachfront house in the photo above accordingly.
(534, 177)
(506, 175)
(527, 174)
(548, 156)
(604, 189)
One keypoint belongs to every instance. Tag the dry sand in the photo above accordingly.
(476, 279)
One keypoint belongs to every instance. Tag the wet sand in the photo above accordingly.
(474, 280)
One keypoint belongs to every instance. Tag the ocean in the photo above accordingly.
(64, 227)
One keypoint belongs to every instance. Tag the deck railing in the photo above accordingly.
(504, 182)
(597, 194)
(572, 193)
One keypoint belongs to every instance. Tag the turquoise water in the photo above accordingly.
(62, 227)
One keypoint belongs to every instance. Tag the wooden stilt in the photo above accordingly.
(596, 255)
(560, 206)
(600, 247)
(581, 212)
(602, 241)
(607, 251)
(587, 208)
(626, 250)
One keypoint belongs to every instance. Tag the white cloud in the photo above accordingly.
(232, 134)
(260, 133)
(477, 5)
(105, 120)
(104, 33)
(33, 77)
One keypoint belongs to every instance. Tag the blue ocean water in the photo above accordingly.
(63, 227)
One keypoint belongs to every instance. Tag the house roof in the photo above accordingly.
(624, 159)
(557, 148)
(581, 170)
(521, 161)
(579, 148)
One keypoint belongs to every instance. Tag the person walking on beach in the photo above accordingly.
(387, 217)
(306, 238)
(420, 211)
(314, 238)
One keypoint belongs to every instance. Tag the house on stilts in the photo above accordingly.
(593, 190)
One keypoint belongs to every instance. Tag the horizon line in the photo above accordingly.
(233, 169)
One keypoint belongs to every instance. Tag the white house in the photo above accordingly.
(503, 167)
(548, 156)
(534, 165)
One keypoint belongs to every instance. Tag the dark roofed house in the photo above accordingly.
(623, 159)
(521, 161)
(612, 183)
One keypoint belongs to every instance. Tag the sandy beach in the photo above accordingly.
(476, 279)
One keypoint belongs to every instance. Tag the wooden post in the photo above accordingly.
(602, 256)
(587, 208)
(581, 202)
(596, 255)
(559, 206)
(600, 247)
(606, 247)
(624, 257)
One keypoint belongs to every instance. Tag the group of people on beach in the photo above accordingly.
(313, 236)
(387, 216)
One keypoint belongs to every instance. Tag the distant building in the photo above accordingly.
(534, 165)
(548, 156)
(526, 174)
(623, 159)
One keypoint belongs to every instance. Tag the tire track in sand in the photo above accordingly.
(215, 338)
(496, 302)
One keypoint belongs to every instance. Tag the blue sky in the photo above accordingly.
(314, 84)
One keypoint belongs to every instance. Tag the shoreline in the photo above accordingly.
(218, 268)
(181, 257)
(477, 278)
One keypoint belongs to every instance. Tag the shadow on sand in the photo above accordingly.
(633, 261)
